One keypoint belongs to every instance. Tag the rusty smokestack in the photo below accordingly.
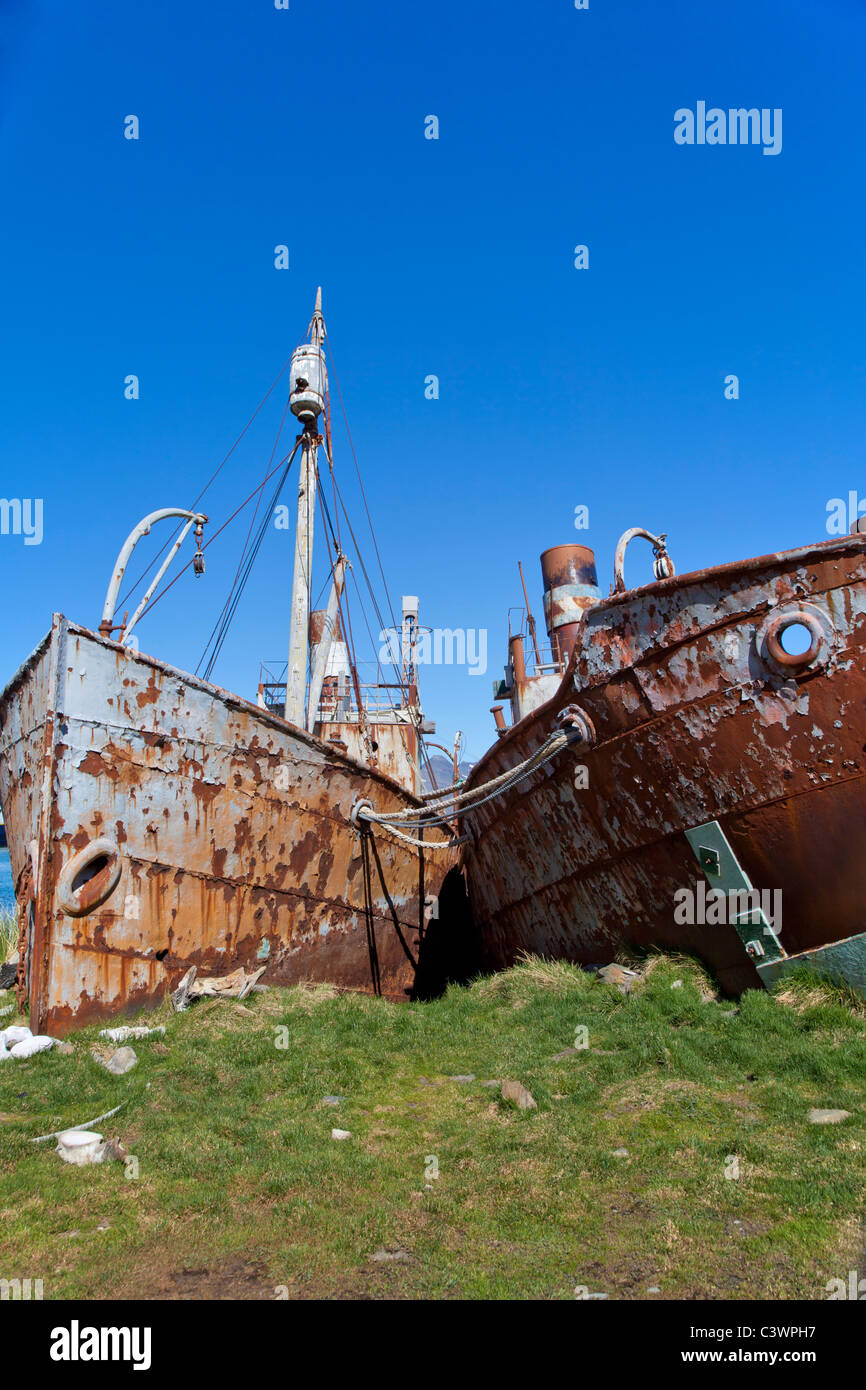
(518, 660)
(570, 587)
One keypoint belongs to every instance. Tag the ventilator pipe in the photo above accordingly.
(663, 565)
(141, 530)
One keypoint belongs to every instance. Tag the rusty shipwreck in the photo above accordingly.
(702, 732)
(156, 821)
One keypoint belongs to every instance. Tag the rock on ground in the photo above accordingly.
(123, 1060)
(618, 975)
(514, 1091)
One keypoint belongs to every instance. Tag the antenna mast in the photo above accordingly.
(530, 621)
(306, 401)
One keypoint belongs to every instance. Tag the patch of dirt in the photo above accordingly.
(382, 1281)
(235, 1278)
(646, 1094)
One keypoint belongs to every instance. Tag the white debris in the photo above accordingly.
(120, 1035)
(30, 1046)
(56, 1133)
(15, 1034)
(341, 1134)
(80, 1146)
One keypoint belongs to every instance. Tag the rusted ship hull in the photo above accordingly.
(155, 822)
(695, 721)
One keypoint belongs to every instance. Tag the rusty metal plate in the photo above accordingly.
(695, 722)
(231, 828)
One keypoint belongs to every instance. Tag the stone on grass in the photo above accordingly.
(341, 1134)
(332, 1100)
(618, 975)
(828, 1117)
(385, 1256)
(518, 1094)
(123, 1060)
(468, 1076)
(620, 1153)
(112, 1151)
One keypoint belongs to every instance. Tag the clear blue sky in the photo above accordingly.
(558, 387)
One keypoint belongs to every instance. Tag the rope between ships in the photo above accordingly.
(451, 805)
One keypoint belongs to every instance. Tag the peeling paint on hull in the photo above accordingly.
(695, 721)
(230, 825)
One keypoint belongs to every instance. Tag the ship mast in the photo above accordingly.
(307, 401)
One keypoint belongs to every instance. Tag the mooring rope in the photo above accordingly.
(461, 803)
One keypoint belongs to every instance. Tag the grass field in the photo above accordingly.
(725, 1189)
(8, 933)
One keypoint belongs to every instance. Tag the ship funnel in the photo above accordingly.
(570, 587)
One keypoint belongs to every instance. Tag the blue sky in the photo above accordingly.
(452, 257)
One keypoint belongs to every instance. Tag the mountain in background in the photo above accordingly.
(443, 772)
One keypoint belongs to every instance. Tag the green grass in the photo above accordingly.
(8, 934)
(241, 1190)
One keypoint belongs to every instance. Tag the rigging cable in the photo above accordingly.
(238, 589)
(360, 482)
(347, 626)
(217, 471)
(248, 535)
(210, 542)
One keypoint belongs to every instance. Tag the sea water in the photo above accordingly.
(7, 896)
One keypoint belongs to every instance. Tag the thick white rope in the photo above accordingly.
(462, 803)
(423, 844)
(466, 801)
